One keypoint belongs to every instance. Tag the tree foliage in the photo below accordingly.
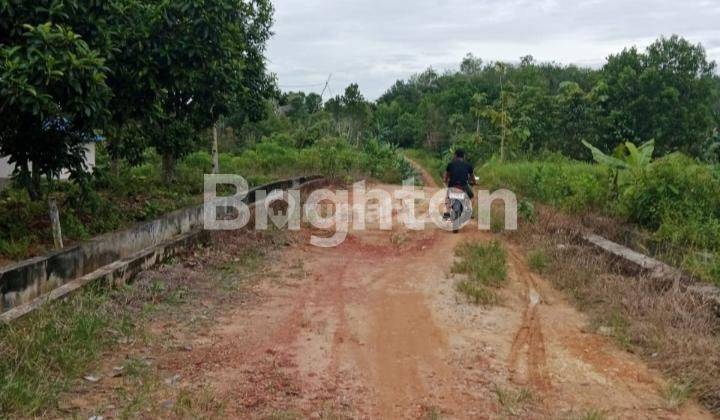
(668, 92)
(139, 72)
(52, 97)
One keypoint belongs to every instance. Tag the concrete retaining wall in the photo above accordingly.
(22, 282)
(658, 270)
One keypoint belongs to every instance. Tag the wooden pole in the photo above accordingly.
(55, 220)
(215, 153)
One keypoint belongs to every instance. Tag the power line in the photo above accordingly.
(300, 86)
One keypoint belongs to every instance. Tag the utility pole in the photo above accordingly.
(327, 83)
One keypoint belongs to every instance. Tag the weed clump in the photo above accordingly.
(485, 266)
(538, 260)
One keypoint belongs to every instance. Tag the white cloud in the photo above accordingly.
(375, 42)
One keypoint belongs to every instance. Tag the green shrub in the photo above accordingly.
(679, 199)
(675, 197)
(572, 186)
(538, 260)
(526, 211)
(114, 198)
(485, 266)
(15, 249)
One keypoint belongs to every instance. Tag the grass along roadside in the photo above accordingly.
(485, 269)
(44, 352)
(671, 210)
(672, 331)
(63, 345)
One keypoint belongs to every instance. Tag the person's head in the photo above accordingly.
(459, 154)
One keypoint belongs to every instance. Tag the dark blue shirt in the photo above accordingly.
(459, 173)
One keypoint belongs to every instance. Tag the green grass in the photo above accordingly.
(497, 221)
(676, 199)
(44, 352)
(15, 248)
(193, 404)
(676, 393)
(513, 401)
(538, 260)
(485, 267)
(568, 185)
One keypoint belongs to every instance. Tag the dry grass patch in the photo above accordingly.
(673, 331)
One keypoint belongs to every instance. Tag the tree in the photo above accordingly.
(207, 59)
(135, 102)
(573, 111)
(471, 65)
(667, 93)
(313, 103)
(295, 104)
(53, 96)
(408, 130)
(351, 112)
(628, 158)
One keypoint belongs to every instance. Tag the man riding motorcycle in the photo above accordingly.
(460, 174)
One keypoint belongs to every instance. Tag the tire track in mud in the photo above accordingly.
(529, 340)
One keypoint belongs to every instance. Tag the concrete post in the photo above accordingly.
(55, 220)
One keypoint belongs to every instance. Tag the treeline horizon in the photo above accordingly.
(668, 92)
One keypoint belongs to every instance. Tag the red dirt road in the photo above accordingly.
(374, 329)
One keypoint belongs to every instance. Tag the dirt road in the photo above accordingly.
(374, 328)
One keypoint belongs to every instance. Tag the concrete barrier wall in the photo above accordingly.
(24, 281)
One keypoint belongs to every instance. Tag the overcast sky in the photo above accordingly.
(375, 42)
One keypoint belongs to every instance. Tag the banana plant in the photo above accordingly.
(633, 160)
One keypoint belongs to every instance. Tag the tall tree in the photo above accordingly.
(207, 59)
(666, 93)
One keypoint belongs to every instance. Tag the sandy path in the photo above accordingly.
(374, 329)
(425, 176)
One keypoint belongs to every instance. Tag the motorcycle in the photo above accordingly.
(459, 208)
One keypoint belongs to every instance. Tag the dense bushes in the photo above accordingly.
(675, 186)
(675, 198)
(573, 186)
(331, 156)
(110, 201)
